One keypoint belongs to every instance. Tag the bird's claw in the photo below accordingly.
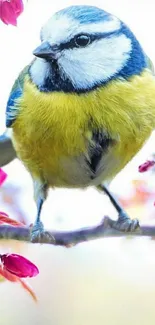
(124, 223)
(39, 235)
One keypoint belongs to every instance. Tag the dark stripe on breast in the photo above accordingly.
(98, 147)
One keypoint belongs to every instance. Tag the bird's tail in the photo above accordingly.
(7, 152)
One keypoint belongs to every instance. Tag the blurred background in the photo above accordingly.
(108, 280)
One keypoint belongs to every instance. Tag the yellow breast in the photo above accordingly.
(55, 125)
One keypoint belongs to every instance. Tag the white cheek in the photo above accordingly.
(39, 71)
(96, 63)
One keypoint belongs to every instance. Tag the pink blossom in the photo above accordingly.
(10, 10)
(4, 274)
(18, 265)
(146, 166)
(3, 176)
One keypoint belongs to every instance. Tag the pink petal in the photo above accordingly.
(10, 10)
(19, 265)
(3, 176)
(146, 166)
(18, 6)
(13, 278)
(3, 214)
(7, 275)
(5, 219)
(7, 13)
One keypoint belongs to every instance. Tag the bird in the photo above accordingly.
(83, 107)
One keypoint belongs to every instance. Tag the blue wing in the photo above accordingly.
(13, 108)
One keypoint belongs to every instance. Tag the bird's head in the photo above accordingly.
(82, 48)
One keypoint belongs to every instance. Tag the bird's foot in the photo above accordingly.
(39, 235)
(124, 223)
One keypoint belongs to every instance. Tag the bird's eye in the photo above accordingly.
(82, 40)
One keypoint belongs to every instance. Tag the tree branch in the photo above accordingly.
(68, 238)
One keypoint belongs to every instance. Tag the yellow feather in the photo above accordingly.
(54, 125)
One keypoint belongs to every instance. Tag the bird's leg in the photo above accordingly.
(38, 233)
(38, 225)
(124, 223)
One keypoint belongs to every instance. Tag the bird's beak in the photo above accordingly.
(45, 51)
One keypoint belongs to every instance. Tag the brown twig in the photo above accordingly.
(68, 238)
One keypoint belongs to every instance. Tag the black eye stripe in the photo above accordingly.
(93, 37)
(71, 44)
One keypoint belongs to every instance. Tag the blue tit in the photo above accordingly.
(84, 106)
